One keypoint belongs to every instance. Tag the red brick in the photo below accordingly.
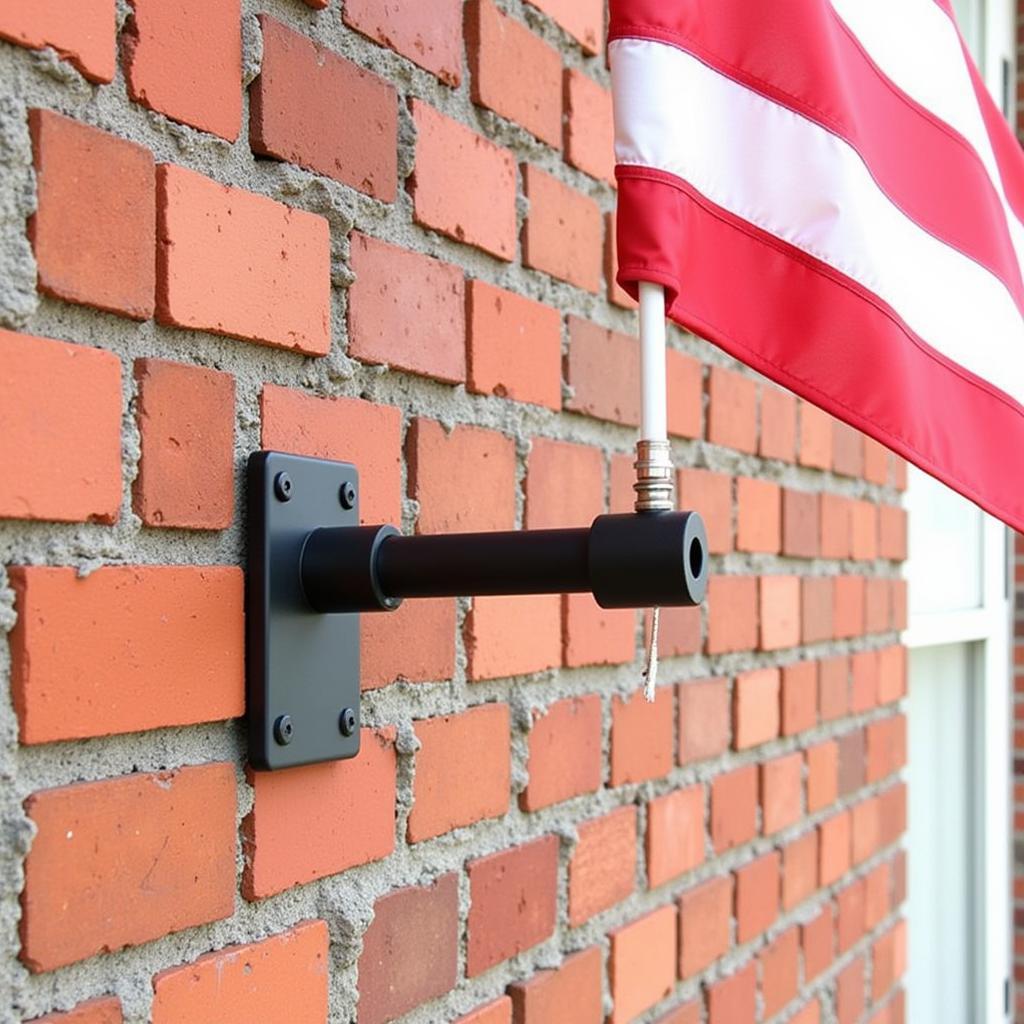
(732, 410)
(757, 896)
(565, 758)
(346, 429)
(642, 743)
(602, 871)
(185, 60)
(816, 609)
(815, 437)
(427, 650)
(236, 263)
(876, 462)
(834, 687)
(463, 185)
(281, 978)
(473, 747)
(864, 681)
(445, 467)
(512, 902)
(759, 515)
(186, 417)
(781, 792)
(313, 108)
(818, 941)
(734, 808)
(60, 418)
(389, 283)
(315, 821)
(430, 36)
(892, 674)
(756, 708)
(95, 655)
(893, 814)
(822, 775)
(93, 231)
(898, 603)
(836, 530)
(642, 967)
(703, 719)
(104, 1010)
(863, 530)
(733, 1000)
(877, 612)
(615, 293)
(886, 747)
(410, 950)
(892, 532)
(705, 920)
(851, 761)
(847, 449)
(688, 1013)
(732, 614)
(850, 993)
(778, 424)
(685, 384)
(571, 994)
(799, 697)
(888, 960)
(877, 889)
(127, 860)
(582, 19)
(514, 346)
(800, 524)
(596, 392)
(799, 869)
(589, 132)
(779, 612)
(84, 35)
(562, 235)
(779, 972)
(850, 922)
(498, 1012)
(710, 494)
(593, 635)
(511, 636)
(675, 834)
(514, 72)
(679, 631)
(833, 848)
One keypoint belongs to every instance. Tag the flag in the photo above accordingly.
(827, 191)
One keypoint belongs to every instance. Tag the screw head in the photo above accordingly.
(283, 487)
(347, 721)
(283, 729)
(347, 494)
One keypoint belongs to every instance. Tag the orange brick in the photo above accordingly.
(850, 923)
(95, 655)
(780, 615)
(850, 993)
(781, 792)
(346, 429)
(822, 775)
(281, 978)
(799, 697)
(863, 530)
(815, 437)
(757, 896)
(759, 515)
(877, 889)
(513, 71)
(848, 606)
(705, 920)
(463, 185)
(642, 967)
(876, 462)
(410, 950)
(185, 60)
(592, 635)
(615, 293)
(877, 610)
(836, 528)
(313, 108)
(799, 869)
(427, 650)
(679, 631)
(816, 619)
(898, 603)
(847, 449)
(564, 484)
(93, 231)
(892, 674)
(685, 384)
(389, 283)
(800, 523)
(511, 636)
(563, 231)
(756, 708)
(589, 131)
(703, 719)
(186, 417)
(642, 744)
(515, 346)
(734, 808)
(818, 940)
(60, 418)
(565, 758)
(602, 871)
(675, 834)
(430, 36)
(834, 848)
(732, 410)
(105, 1010)
(886, 747)
(592, 349)
(889, 960)
(688, 1013)
(780, 972)
(582, 19)
(512, 902)
(733, 1000)
(127, 860)
(892, 532)
(315, 821)
(732, 614)
(473, 747)
(778, 424)
(572, 994)
(498, 1012)
(710, 494)
(84, 35)
(236, 263)
(834, 687)
(864, 681)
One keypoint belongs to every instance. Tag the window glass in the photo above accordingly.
(969, 13)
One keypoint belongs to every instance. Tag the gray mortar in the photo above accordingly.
(346, 901)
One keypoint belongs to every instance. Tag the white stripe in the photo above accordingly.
(792, 178)
(917, 47)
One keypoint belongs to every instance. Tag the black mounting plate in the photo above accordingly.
(302, 666)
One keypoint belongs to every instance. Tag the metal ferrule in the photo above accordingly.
(654, 477)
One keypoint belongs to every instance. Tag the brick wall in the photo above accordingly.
(382, 232)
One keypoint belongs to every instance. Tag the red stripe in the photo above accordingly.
(806, 326)
(800, 55)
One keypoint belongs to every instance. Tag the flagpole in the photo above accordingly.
(653, 464)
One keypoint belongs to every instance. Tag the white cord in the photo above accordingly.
(651, 672)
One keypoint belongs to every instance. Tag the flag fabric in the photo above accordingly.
(827, 191)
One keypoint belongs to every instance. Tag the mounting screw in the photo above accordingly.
(347, 494)
(283, 727)
(283, 487)
(347, 721)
